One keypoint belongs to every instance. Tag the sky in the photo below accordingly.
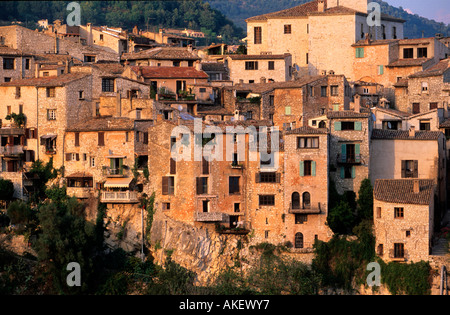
(438, 10)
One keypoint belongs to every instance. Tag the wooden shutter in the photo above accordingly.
(68, 156)
(78, 157)
(257, 177)
(199, 186)
(302, 168)
(205, 166)
(121, 166)
(278, 178)
(101, 138)
(416, 169)
(313, 168)
(403, 169)
(165, 185)
(173, 166)
(145, 137)
(77, 139)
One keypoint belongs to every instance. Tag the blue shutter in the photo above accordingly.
(313, 168)
(343, 153)
(302, 168)
(337, 126)
(353, 172)
(357, 153)
(342, 172)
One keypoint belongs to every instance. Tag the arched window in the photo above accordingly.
(306, 200)
(322, 124)
(295, 200)
(298, 240)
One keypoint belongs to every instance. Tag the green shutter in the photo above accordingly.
(337, 126)
(111, 163)
(121, 166)
(343, 153)
(357, 153)
(360, 52)
(342, 172)
(358, 125)
(302, 168)
(287, 110)
(313, 168)
(353, 172)
(380, 70)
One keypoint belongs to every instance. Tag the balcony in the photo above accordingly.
(79, 192)
(241, 229)
(119, 197)
(349, 159)
(210, 217)
(238, 166)
(11, 151)
(115, 172)
(297, 209)
(398, 255)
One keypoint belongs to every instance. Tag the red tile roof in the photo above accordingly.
(401, 191)
(169, 72)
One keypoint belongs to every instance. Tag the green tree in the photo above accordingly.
(341, 218)
(6, 190)
(365, 200)
(20, 213)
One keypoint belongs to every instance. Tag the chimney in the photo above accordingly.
(416, 186)
(412, 132)
(89, 35)
(56, 43)
(321, 6)
(357, 103)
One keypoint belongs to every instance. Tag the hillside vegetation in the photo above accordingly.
(239, 10)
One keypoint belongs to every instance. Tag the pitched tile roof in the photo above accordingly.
(445, 123)
(394, 112)
(261, 56)
(401, 191)
(346, 114)
(436, 70)
(8, 51)
(408, 62)
(162, 53)
(50, 81)
(298, 11)
(104, 124)
(269, 86)
(306, 130)
(169, 72)
(381, 134)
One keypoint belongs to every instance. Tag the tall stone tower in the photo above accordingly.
(358, 5)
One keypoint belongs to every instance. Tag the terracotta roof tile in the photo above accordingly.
(162, 53)
(346, 114)
(436, 70)
(169, 72)
(307, 130)
(401, 191)
(382, 134)
(409, 62)
(262, 56)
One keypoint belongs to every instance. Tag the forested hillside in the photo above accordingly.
(195, 14)
(239, 10)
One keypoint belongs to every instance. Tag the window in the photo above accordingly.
(295, 200)
(347, 125)
(323, 91)
(425, 125)
(138, 113)
(300, 218)
(190, 63)
(233, 186)
(89, 58)
(107, 85)
(251, 65)
(380, 70)
(7, 79)
(202, 185)
(166, 205)
(350, 153)
(334, 90)
(51, 92)
(307, 58)
(81, 95)
(205, 205)
(399, 250)
(8, 63)
(433, 106)
(394, 32)
(307, 142)
(51, 114)
(359, 52)
(298, 240)
(202, 90)
(306, 197)
(268, 177)
(408, 233)
(287, 110)
(172, 166)
(27, 64)
(18, 92)
(271, 65)
(287, 29)
(380, 250)
(116, 166)
(101, 36)
(266, 200)
(408, 53)
(205, 166)
(398, 213)
(307, 168)
(422, 52)
(391, 125)
(336, 107)
(311, 91)
(257, 35)
(416, 108)
(45, 74)
(378, 212)
(348, 171)
(383, 31)
(410, 169)
(101, 139)
(168, 185)
(424, 87)
(77, 139)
